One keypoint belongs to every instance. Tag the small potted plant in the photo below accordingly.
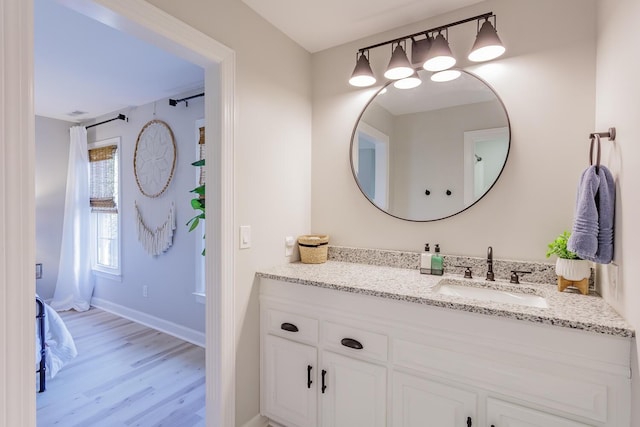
(571, 270)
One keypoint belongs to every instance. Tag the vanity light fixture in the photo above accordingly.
(420, 50)
(362, 75)
(408, 82)
(445, 75)
(429, 50)
(399, 65)
(488, 45)
(439, 57)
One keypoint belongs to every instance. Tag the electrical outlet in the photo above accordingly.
(289, 242)
(145, 291)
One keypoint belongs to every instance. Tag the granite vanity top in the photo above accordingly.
(566, 309)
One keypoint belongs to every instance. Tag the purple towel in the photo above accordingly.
(592, 234)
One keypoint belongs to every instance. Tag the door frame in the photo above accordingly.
(17, 184)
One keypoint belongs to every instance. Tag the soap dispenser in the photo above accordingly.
(437, 263)
(425, 260)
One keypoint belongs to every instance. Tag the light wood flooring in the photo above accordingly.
(125, 375)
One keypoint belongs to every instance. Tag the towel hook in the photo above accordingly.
(611, 135)
(595, 137)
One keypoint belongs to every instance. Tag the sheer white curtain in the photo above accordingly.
(75, 280)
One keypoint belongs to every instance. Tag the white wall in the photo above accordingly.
(272, 158)
(170, 277)
(52, 157)
(618, 104)
(546, 82)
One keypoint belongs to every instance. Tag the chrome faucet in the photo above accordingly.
(490, 276)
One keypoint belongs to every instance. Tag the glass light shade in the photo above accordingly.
(362, 75)
(440, 56)
(420, 50)
(487, 46)
(399, 65)
(409, 82)
(445, 76)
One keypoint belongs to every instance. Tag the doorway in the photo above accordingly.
(148, 23)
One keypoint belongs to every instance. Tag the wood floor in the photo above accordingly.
(125, 375)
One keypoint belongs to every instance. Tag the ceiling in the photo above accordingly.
(85, 69)
(82, 65)
(319, 25)
(430, 95)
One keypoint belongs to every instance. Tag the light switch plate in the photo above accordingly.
(245, 236)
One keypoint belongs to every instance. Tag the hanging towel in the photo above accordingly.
(592, 234)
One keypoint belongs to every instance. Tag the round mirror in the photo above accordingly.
(430, 152)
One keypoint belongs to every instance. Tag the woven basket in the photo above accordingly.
(313, 248)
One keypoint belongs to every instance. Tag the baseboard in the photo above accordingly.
(178, 331)
(257, 421)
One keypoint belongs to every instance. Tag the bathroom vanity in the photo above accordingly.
(348, 344)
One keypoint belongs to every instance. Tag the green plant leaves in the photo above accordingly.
(559, 247)
(198, 204)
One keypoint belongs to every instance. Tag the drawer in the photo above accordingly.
(348, 339)
(293, 326)
(553, 385)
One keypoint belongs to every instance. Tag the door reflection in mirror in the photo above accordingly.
(484, 154)
(372, 164)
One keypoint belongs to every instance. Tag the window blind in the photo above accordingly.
(102, 176)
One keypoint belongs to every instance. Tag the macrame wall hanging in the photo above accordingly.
(154, 160)
(159, 239)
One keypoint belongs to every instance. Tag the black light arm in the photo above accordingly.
(431, 30)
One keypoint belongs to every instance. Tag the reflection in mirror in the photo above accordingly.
(430, 152)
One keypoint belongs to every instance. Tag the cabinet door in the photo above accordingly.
(288, 396)
(503, 414)
(419, 402)
(353, 392)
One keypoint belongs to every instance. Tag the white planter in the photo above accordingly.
(573, 269)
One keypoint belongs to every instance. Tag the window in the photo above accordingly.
(104, 192)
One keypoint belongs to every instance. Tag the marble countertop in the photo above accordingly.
(566, 309)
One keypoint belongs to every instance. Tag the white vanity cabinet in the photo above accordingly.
(297, 378)
(355, 393)
(419, 402)
(503, 414)
(289, 378)
(377, 362)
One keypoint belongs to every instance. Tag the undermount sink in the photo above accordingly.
(477, 291)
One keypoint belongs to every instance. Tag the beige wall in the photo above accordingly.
(435, 162)
(618, 104)
(546, 81)
(272, 157)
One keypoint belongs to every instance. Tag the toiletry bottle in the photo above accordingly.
(437, 262)
(425, 260)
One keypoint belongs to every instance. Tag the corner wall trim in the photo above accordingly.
(171, 328)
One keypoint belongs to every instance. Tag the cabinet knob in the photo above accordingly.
(324, 385)
(309, 382)
(351, 343)
(290, 327)
(469, 423)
